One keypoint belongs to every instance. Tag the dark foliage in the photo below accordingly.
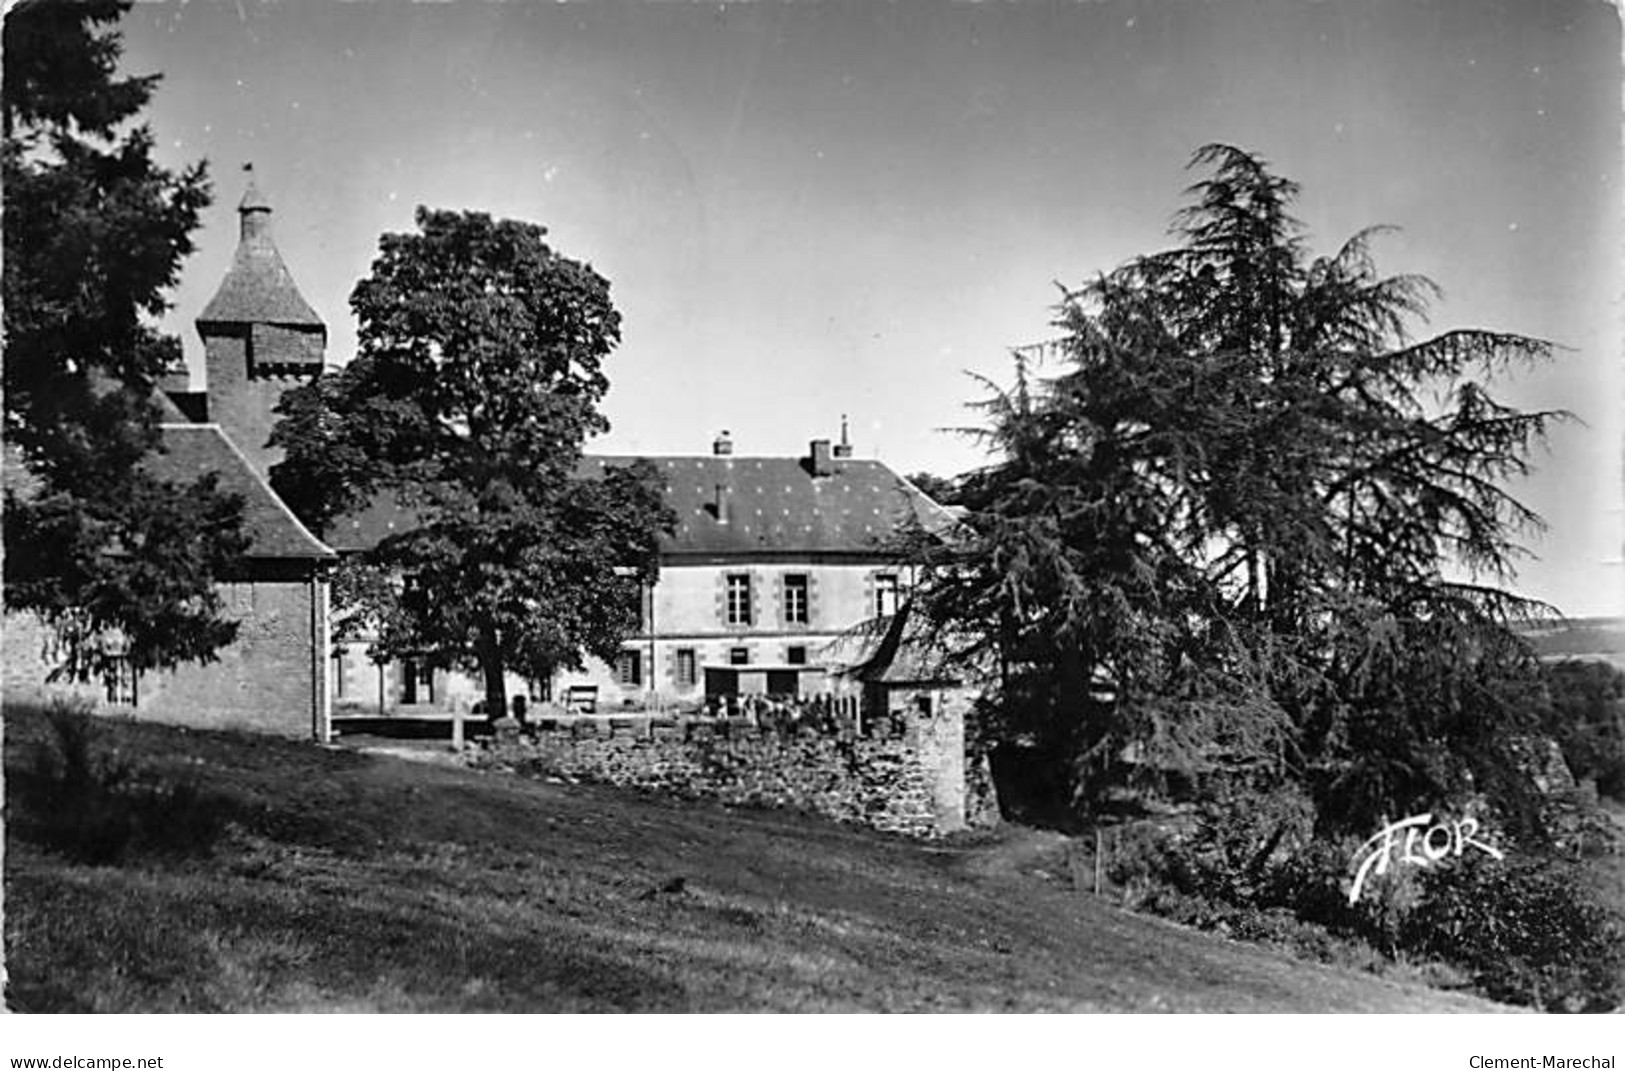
(478, 380)
(1222, 542)
(1587, 719)
(148, 582)
(1528, 930)
(95, 233)
(1525, 930)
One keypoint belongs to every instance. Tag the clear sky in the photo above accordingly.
(811, 209)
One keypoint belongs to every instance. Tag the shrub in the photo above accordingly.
(1529, 930)
(1227, 850)
(1176, 875)
(1587, 718)
(1524, 930)
(96, 809)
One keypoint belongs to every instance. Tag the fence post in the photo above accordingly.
(1100, 842)
(457, 726)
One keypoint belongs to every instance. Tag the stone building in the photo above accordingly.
(273, 677)
(777, 579)
(259, 336)
(777, 568)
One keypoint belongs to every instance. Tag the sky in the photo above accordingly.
(810, 210)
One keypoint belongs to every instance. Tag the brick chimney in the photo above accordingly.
(820, 461)
(722, 445)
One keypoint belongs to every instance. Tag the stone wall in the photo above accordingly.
(242, 403)
(271, 679)
(30, 655)
(898, 782)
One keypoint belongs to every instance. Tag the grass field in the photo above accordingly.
(358, 882)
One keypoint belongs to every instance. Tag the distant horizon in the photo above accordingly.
(806, 210)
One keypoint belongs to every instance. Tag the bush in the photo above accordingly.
(1525, 930)
(1314, 885)
(96, 809)
(1587, 719)
(1178, 875)
(1227, 850)
(1529, 930)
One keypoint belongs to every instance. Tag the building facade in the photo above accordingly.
(780, 572)
(259, 336)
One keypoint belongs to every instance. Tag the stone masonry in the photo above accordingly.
(890, 780)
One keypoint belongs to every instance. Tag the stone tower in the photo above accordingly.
(259, 334)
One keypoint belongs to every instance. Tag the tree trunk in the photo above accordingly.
(496, 694)
(1074, 732)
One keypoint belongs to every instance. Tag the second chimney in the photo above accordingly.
(722, 445)
(843, 449)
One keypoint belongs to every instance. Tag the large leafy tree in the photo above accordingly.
(1253, 528)
(120, 563)
(478, 380)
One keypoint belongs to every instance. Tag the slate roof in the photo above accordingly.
(258, 288)
(775, 506)
(904, 656)
(192, 450)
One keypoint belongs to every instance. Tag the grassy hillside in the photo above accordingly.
(306, 878)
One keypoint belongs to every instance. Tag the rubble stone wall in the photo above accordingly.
(897, 782)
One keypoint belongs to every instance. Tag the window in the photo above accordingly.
(796, 655)
(885, 594)
(739, 656)
(687, 675)
(417, 682)
(738, 606)
(795, 599)
(629, 668)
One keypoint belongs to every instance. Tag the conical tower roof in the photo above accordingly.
(258, 288)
